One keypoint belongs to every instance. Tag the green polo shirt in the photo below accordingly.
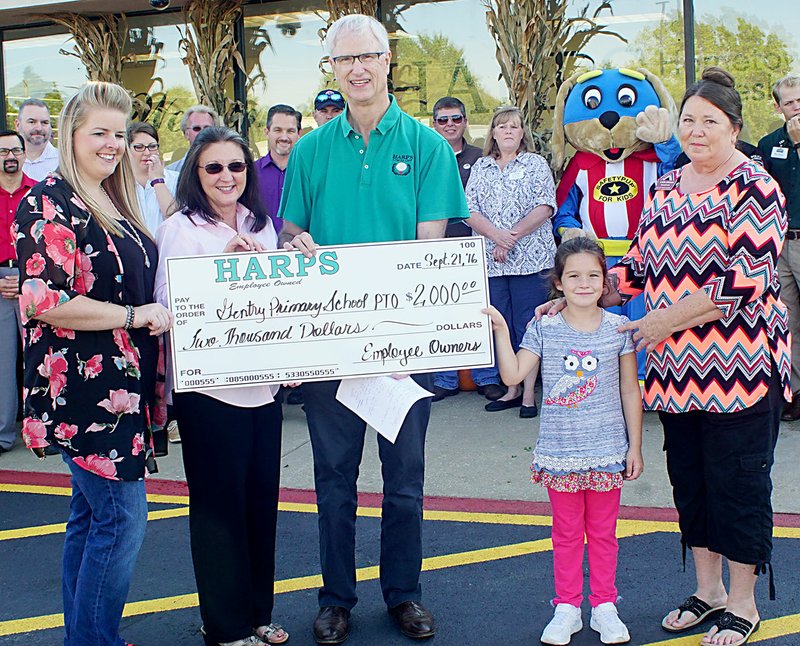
(782, 162)
(342, 192)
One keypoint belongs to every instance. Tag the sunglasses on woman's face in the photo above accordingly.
(215, 168)
(455, 118)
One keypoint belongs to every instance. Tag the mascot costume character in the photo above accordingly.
(621, 124)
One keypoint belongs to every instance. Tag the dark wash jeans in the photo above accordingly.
(105, 530)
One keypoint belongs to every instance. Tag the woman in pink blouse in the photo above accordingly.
(231, 437)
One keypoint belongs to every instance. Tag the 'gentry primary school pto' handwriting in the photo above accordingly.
(349, 311)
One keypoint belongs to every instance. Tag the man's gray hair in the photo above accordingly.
(359, 24)
(790, 80)
(204, 109)
(37, 102)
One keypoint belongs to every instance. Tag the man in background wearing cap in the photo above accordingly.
(450, 121)
(327, 105)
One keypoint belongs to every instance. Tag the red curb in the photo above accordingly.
(437, 503)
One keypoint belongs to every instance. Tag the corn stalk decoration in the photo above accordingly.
(209, 49)
(537, 47)
(99, 43)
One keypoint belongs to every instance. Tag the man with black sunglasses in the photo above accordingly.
(193, 122)
(450, 121)
(14, 186)
(328, 104)
(375, 174)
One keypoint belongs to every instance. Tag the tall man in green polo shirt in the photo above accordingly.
(372, 174)
(780, 151)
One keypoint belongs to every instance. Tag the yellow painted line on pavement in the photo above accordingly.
(770, 629)
(60, 528)
(43, 490)
(180, 602)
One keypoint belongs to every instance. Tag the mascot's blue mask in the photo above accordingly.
(609, 95)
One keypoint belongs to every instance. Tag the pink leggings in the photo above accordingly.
(594, 514)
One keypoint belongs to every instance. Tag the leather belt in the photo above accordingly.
(8, 263)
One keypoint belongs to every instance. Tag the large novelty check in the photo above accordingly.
(352, 310)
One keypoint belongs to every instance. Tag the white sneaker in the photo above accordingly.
(565, 623)
(606, 621)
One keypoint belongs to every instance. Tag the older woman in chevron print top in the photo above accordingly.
(718, 362)
(705, 256)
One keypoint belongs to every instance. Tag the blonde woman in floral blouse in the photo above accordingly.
(87, 269)
(511, 197)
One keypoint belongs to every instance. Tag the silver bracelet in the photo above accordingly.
(129, 316)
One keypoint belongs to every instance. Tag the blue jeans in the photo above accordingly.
(337, 442)
(105, 530)
(516, 298)
(481, 377)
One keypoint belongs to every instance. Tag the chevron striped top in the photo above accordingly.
(725, 241)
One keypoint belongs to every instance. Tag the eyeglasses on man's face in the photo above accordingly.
(455, 118)
(215, 168)
(197, 128)
(367, 58)
(14, 151)
(140, 148)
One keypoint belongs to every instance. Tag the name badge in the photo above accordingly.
(779, 152)
(517, 174)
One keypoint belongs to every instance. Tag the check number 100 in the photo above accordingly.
(425, 295)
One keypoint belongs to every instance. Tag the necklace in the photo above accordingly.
(131, 231)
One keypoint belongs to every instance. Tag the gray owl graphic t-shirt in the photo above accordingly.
(582, 427)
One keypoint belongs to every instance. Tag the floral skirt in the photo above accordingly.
(574, 482)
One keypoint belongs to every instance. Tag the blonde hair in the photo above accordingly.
(98, 95)
(502, 115)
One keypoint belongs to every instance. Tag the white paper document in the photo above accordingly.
(382, 402)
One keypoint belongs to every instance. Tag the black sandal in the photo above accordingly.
(736, 624)
(699, 609)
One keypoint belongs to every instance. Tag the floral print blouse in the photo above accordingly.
(89, 392)
(505, 196)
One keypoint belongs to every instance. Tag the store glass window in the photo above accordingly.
(34, 68)
(158, 79)
(285, 41)
(757, 48)
(444, 49)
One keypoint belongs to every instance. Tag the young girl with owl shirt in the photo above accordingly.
(590, 434)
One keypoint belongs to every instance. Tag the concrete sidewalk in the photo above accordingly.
(473, 454)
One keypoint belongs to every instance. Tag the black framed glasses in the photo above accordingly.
(17, 151)
(455, 118)
(329, 95)
(140, 148)
(215, 168)
(197, 128)
(367, 58)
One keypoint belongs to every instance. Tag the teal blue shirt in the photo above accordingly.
(342, 192)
